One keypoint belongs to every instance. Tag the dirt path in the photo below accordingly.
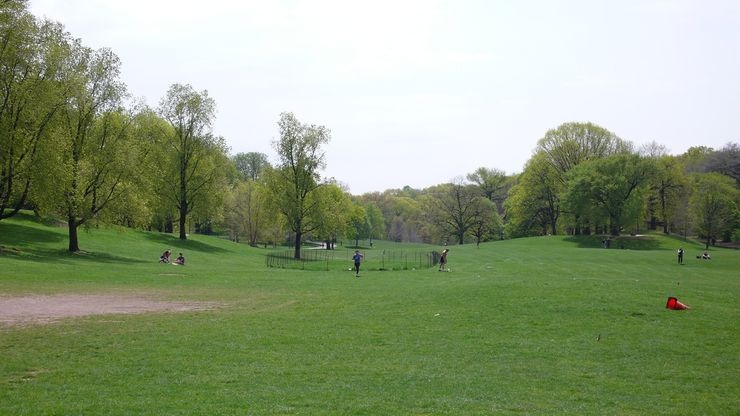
(43, 309)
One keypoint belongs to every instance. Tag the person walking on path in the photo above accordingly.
(443, 260)
(358, 260)
(680, 255)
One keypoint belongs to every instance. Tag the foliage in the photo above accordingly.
(714, 205)
(294, 181)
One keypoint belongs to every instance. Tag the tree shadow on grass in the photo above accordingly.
(16, 235)
(170, 241)
(620, 242)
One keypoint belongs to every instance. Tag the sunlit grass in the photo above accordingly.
(551, 325)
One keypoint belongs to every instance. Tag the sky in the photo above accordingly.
(421, 92)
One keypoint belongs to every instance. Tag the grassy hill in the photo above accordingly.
(552, 325)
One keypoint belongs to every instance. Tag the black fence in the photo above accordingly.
(317, 259)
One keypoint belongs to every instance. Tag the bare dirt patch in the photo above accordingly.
(45, 309)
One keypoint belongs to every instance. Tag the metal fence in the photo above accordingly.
(315, 259)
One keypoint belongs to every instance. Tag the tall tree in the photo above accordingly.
(196, 155)
(726, 161)
(457, 208)
(713, 205)
(247, 213)
(610, 186)
(666, 186)
(295, 181)
(31, 86)
(375, 222)
(250, 165)
(535, 200)
(95, 138)
(490, 181)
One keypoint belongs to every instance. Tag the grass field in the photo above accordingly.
(551, 325)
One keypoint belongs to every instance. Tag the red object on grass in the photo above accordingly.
(675, 304)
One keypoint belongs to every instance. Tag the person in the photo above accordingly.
(358, 259)
(165, 257)
(705, 256)
(443, 260)
(680, 255)
(180, 260)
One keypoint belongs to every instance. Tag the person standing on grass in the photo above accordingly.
(443, 260)
(680, 255)
(358, 260)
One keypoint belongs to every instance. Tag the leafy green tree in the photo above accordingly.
(609, 186)
(94, 134)
(533, 206)
(247, 211)
(375, 222)
(713, 205)
(490, 181)
(191, 154)
(666, 186)
(250, 165)
(457, 208)
(295, 181)
(333, 213)
(32, 54)
(487, 222)
(726, 161)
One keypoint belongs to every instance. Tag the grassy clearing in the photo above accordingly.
(550, 325)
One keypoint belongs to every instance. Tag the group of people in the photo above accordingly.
(165, 258)
(704, 256)
(357, 258)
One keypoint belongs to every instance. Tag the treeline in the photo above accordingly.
(73, 144)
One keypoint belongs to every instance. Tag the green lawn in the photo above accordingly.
(551, 325)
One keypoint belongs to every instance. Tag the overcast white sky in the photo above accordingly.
(418, 92)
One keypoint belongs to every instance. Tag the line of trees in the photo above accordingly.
(74, 145)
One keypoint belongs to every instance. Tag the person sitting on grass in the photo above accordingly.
(165, 257)
(705, 256)
(180, 260)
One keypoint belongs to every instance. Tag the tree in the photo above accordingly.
(375, 222)
(294, 182)
(667, 185)
(333, 213)
(490, 181)
(359, 225)
(196, 155)
(31, 56)
(457, 208)
(250, 165)
(247, 213)
(713, 205)
(96, 144)
(726, 161)
(572, 143)
(608, 187)
(487, 222)
(533, 206)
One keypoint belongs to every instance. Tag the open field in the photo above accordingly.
(551, 325)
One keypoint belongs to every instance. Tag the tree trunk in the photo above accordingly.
(297, 251)
(183, 217)
(74, 245)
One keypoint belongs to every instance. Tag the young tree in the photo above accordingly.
(295, 181)
(487, 222)
(333, 213)
(194, 157)
(533, 206)
(247, 212)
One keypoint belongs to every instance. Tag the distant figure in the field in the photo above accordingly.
(165, 257)
(358, 260)
(705, 256)
(180, 260)
(680, 255)
(443, 260)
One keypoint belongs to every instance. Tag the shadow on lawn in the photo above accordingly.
(171, 241)
(620, 242)
(16, 235)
